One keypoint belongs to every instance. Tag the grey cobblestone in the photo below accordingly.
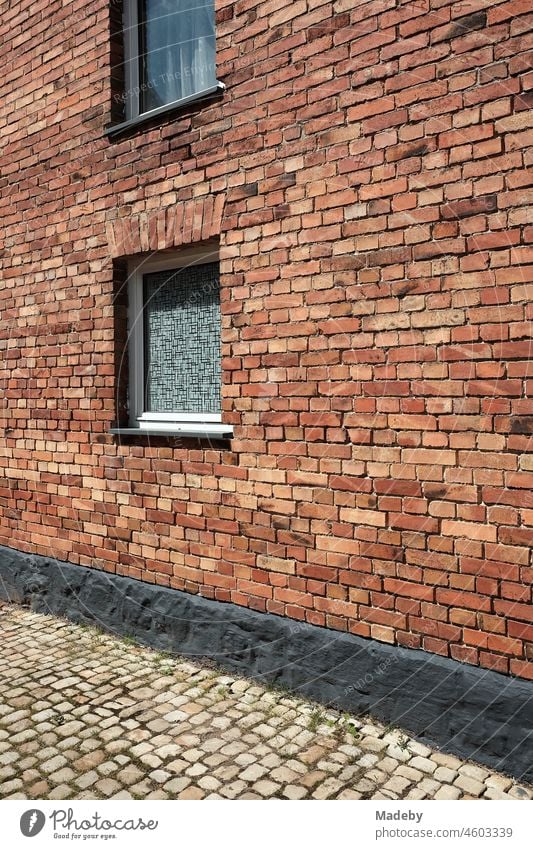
(84, 715)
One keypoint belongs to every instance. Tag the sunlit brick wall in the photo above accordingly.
(367, 171)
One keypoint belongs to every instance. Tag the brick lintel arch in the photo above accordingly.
(185, 223)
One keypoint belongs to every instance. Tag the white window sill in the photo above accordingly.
(190, 429)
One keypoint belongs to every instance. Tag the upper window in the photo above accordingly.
(174, 333)
(169, 50)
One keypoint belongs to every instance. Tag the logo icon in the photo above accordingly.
(32, 822)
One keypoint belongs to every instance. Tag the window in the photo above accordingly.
(169, 54)
(174, 345)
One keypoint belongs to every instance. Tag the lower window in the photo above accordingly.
(174, 345)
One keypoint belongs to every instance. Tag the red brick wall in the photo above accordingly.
(370, 163)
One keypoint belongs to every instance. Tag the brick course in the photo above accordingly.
(368, 173)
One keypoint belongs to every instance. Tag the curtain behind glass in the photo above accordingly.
(177, 48)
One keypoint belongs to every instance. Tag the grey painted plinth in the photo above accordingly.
(467, 711)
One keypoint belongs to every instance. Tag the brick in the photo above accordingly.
(471, 206)
(468, 530)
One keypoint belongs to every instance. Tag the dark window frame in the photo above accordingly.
(125, 76)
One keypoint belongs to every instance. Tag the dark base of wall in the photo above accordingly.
(467, 711)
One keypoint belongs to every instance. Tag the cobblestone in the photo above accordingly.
(84, 715)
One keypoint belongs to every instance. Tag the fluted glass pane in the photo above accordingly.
(182, 340)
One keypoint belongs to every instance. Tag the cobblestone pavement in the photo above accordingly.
(85, 715)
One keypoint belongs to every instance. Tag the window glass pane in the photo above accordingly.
(182, 340)
(177, 48)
